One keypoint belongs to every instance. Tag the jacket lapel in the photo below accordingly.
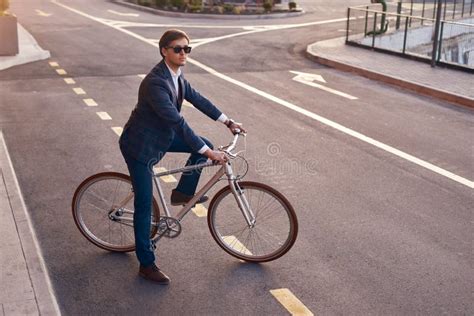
(169, 80)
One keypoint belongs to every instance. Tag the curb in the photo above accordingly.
(207, 16)
(374, 75)
(43, 292)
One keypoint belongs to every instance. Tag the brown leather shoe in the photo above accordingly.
(153, 273)
(178, 198)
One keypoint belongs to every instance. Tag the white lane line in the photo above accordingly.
(295, 108)
(339, 127)
(32, 252)
(292, 304)
(79, 91)
(90, 102)
(104, 116)
(142, 76)
(42, 13)
(270, 27)
(123, 14)
(168, 179)
(69, 81)
(235, 244)
(53, 64)
(61, 72)
(117, 130)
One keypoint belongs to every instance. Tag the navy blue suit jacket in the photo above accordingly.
(156, 119)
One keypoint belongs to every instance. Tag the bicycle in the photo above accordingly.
(249, 220)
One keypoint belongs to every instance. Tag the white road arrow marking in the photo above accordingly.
(42, 13)
(123, 14)
(308, 79)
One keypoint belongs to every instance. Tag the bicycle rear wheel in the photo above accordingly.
(275, 229)
(101, 206)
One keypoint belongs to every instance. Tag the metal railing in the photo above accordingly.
(411, 34)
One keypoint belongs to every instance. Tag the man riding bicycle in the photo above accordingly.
(156, 127)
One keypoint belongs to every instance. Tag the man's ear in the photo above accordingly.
(163, 51)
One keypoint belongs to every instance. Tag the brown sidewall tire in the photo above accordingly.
(293, 221)
(85, 184)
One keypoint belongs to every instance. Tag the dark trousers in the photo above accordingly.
(142, 182)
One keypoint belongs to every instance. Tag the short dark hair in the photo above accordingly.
(169, 36)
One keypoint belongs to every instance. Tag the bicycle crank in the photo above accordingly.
(169, 227)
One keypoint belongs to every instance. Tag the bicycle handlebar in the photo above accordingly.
(228, 149)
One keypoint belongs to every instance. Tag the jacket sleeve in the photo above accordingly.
(158, 96)
(200, 102)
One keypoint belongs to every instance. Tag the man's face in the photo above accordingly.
(176, 59)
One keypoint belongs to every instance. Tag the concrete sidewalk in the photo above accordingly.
(450, 85)
(29, 51)
(25, 288)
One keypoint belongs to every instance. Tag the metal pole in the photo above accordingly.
(374, 32)
(440, 41)
(405, 35)
(462, 12)
(470, 12)
(436, 35)
(347, 27)
(399, 11)
(411, 11)
(454, 9)
(445, 8)
(366, 20)
(423, 12)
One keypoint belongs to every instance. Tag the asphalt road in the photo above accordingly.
(378, 233)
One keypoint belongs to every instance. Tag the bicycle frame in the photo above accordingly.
(226, 169)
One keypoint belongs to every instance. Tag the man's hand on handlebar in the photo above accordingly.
(235, 128)
(215, 155)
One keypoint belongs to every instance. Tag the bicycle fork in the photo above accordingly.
(241, 199)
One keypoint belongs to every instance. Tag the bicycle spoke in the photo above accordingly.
(270, 237)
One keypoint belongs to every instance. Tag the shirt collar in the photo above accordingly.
(173, 74)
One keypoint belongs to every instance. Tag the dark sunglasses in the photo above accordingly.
(178, 49)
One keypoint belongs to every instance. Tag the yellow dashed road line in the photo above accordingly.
(200, 210)
(104, 116)
(53, 64)
(61, 72)
(168, 178)
(117, 130)
(90, 102)
(291, 302)
(187, 104)
(234, 243)
(79, 91)
(69, 81)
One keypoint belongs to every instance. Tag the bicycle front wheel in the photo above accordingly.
(273, 233)
(102, 208)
